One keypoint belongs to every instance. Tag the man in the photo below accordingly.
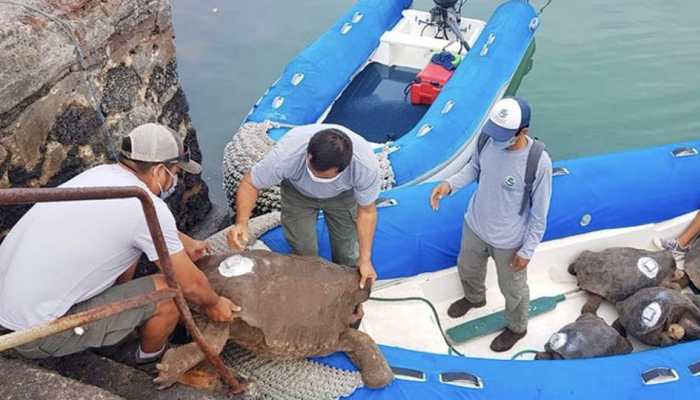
(505, 220)
(320, 167)
(64, 258)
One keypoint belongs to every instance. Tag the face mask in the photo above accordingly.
(320, 180)
(504, 145)
(164, 194)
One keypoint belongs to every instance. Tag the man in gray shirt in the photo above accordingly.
(505, 220)
(319, 167)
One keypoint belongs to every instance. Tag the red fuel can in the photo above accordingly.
(428, 84)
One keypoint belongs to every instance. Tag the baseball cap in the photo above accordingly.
(157, 143)
(508, 116)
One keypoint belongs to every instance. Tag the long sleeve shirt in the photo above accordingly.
(493, 212)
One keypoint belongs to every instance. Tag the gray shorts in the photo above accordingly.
(105, 332)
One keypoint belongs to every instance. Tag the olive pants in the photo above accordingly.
(299, 216)
(104, 332)
(471, 264)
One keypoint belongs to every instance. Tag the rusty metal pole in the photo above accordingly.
(71, 321)
(23, 196)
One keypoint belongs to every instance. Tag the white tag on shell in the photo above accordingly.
(236, 266)
(648, 266)
(558, 340)
(651, 315)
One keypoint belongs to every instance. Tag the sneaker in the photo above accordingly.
(672, 245)
(129, 355)
(506, 340)
(460, 307)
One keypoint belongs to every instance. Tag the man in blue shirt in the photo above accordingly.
(506, 219)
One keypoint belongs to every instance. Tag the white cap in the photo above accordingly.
(508, 116)
(157, 143)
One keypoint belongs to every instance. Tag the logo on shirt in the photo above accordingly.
(510, 181)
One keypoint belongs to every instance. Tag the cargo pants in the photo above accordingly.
(299, 216)
(471, 264)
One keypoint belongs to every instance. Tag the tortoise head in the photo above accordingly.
(676, 332)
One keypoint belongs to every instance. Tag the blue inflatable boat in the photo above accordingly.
(357, 74)
(598, 202)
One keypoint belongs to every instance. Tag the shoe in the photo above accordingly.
(673, 246)
(129, 355)
(506, 340)
(460, 307)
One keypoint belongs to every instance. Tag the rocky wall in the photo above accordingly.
(53, 126)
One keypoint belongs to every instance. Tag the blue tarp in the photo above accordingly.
(616, 190)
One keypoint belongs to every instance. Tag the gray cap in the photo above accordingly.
(157, 143)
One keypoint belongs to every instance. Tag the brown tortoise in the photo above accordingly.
(617, 273)
(292, 307)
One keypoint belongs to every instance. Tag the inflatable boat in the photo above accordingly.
(358, 74)
(598, 202)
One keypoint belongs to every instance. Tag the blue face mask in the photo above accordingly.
(164, 194)
(504, 145)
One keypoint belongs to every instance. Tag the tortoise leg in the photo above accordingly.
(366, 356)
(623, 346)
(617, 325)
(692, 328)
(177, 361)
(592, 304)
(543, 355)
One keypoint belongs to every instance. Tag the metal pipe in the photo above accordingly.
(71, 321)
(23, 196)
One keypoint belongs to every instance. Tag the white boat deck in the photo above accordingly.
(411, 324)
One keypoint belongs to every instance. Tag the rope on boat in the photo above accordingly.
(432, 308)
(80, 55)
(543, 7)
(522, 353)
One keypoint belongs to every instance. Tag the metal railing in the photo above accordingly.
(28, 196)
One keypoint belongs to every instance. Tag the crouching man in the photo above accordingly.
(64, 258)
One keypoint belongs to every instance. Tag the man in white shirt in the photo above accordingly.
(63, 258)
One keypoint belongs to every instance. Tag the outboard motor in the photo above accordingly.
(446, 17)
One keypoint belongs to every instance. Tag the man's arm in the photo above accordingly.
(449, 186)
(366, 226)
(195, 249)
(246, 197)
(537, 222)
(466, 175)
(196, 288)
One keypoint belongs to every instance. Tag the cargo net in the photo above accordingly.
(282, 379)
(290, 379)
(250, 144)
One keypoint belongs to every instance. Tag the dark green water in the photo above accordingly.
(608, 75)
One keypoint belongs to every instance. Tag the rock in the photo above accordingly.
(120, 379)
(20, 380)
(52, 127)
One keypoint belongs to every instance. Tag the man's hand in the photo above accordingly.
(367, 273)
(440, 191)
(197, 249)
(238, 237)
(223, 310)
(519, 263)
